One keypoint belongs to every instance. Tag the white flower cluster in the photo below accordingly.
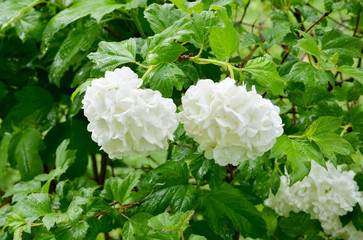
(324, 194)
(125, 120)
(230, 123)
(334, 227)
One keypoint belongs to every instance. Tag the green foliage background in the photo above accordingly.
(55, 183)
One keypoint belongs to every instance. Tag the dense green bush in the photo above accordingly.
(56, 183)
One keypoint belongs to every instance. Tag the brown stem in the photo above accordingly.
(245, 11)
(94, 167)
(109, 29)
(357, 24)
(307, 30)
(182, 145)
(236, 235)
(142, 200)
(112, 168)
(7, 200)
(340, 83)
(317, 21)
(249, 56)
(297, 14)
(330, 18)
(103, 169)
(284, 57)
(294, 119)
(231, 171)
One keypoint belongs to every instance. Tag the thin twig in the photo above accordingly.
(109, 29)
(7, 200)
(103, 169)
(307, 30)
(316, 22)
(142, 200)
(94, 167)
(249, 56)
(357, 24)
(182, 145)
(245, 11)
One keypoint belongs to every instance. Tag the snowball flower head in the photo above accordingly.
(325, 194)
(125, 120)
(230, 123)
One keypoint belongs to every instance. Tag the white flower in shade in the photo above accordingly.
(334, 227)
(125, 120)
(325, 194)
(230, 123)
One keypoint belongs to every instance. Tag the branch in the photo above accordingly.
(94, 167)
(182, 145)
(103, 170)
(142, 200)
(249, 56)
(109, 29)
(316, 22)
(245, 11)
(357, 24)
(307, 30)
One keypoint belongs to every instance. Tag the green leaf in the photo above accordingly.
(36, 108)
(41, 233)
(358, 217)
(163, 16)
(110, 55)
(299, 154)
(299, 225)
(163, 220)
(34, 206)
(197, 237)
(4, 145)
(20, 190)
(119, 190)
(189, 7)
(275, 34)
(14, 221)
(315, 83)
(66, 231)
(176, 192)
(356, 73)
(30, 24)
(355, 118)
(181, 31)
(136, 228)
(322, 132)
(270, 218)
(12, 10)
(202, 23)
(331, 143)
(166, 53)
(224, 41)
(265, 182)
(26, 153)
(51, 219)
(335, 41)
(64, 158)
(165, 77)
(77, 41)
(80, 9)
(264, 71)
(308, 44)
(323, 125)
(227, 202)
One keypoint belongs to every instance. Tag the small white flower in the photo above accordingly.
(230, 123)
(125, 120)
(325, 194)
